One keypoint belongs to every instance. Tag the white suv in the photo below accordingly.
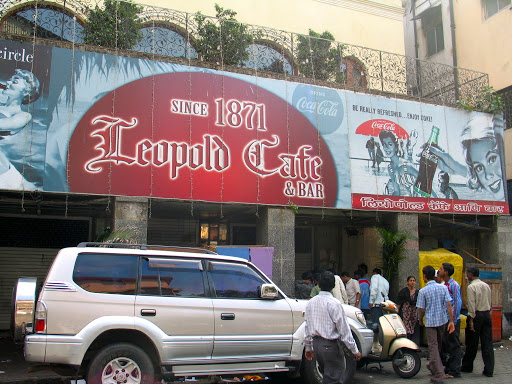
(135, 314)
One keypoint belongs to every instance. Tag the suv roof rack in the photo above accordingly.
(146, 247)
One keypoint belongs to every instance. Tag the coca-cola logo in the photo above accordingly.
(384, 124)
(322, 106)
(375, 127)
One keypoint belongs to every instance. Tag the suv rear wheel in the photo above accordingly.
(121, 363)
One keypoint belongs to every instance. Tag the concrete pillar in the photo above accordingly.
(132, 212)
(276, 228)
(504, 252)
(407, 223)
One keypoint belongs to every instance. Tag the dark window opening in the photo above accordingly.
(42, 233)
(303, 240)
(243, 235)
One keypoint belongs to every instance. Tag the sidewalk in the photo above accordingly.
(502, 371)
(15, 370)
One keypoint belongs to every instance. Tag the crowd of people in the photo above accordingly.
(437, 307)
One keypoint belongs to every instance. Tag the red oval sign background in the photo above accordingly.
(204, 137)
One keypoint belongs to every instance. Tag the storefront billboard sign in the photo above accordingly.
(91, 123)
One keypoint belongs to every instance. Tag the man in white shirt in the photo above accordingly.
(379, 291)
(339, 290)
(326, 327)
(352, 288)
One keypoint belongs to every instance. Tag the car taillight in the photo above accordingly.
(40, 325)
(40, 317)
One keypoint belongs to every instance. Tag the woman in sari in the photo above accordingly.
(406, 302)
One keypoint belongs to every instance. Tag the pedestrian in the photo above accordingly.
(339, 290)
(451, 341)
(364, 268)
(326, 328)
(352, 288)
(479, 325)
(407, 310)
(437, 277)
(379, 291)
(364, 285)
(434, 303)
(316, 289)
(304, 286)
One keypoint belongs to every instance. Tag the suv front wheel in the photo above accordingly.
(121, 363)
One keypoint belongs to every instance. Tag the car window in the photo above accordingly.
(172, 277)
(106, 273)
(235, 280)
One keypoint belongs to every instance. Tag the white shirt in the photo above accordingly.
(326, 318)
(352, 289)
(379, 289)
(339, 291)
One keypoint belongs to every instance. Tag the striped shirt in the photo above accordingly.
(326, 318)
(433, 298)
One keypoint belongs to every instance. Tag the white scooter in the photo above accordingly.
(390, 343)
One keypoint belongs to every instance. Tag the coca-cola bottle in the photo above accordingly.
(428, 165)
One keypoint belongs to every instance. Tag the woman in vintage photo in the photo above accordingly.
(402, 173)
(21, 89)
(482, 147)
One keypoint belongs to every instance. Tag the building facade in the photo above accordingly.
(468, 34)
(185, 147)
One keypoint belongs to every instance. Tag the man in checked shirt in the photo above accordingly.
(326, 327)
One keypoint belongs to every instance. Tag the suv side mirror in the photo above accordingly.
(268, 291)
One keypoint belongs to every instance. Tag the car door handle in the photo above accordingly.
(227, 316)
(148, 312)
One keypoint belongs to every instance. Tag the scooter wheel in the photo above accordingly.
(406, 362)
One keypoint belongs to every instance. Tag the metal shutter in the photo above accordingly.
(18, 262)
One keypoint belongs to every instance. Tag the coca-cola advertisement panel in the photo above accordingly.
(409, 156)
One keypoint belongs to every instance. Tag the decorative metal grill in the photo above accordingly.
(506, 96)
(173, 33)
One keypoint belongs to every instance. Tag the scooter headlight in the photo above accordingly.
(360, 317)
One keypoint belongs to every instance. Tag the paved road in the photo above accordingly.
(14, 370)
(502, 371)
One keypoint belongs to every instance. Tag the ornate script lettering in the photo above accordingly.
(212, 153)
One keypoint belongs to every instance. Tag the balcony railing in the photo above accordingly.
(291, 56)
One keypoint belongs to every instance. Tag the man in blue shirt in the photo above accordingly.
(364, 285)
(451, 341)
(434, 303)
